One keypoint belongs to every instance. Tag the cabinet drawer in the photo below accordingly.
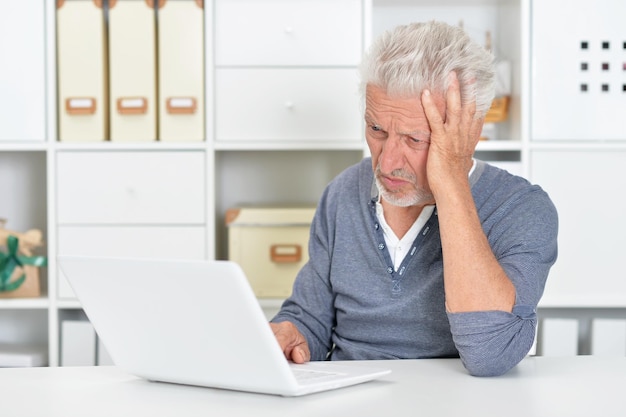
(287, 32)
(287, 105)
(131, 187)
(149, 242)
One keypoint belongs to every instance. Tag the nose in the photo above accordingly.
(392, 154)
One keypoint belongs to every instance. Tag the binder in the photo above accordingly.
(181, 70)
(132, 71)
(81, 63)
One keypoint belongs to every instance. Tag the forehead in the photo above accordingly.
(381, 107)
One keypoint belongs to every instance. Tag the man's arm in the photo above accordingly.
(473, 278)
(303, 326)
(491, 297)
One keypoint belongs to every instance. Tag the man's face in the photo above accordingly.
(398, 136)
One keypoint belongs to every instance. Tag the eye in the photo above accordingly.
(417, 143)
(377, 132)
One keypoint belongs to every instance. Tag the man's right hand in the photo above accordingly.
(291, 341)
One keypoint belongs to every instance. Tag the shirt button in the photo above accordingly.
(381, 246)
(389, 270)
(376, 226)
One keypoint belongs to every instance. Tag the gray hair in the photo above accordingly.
(418, 56)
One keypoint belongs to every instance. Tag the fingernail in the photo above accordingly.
(427, 92)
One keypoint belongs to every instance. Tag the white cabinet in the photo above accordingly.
(282, 117)
(288, 79)
(578, 145)
(278, 76)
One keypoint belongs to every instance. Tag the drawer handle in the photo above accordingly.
(132, 105)
(289, 105)
(288, 30)
(181, 105)
(282, 254)
(80, 105)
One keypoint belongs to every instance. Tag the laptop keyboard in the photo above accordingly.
(308, 376)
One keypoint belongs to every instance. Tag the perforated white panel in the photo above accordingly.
(578, 73)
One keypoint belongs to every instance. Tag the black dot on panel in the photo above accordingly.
(585, 66)
(624, 88)
(605, 66)
(624, 44)
(606, 45)
(605, 87)
(585, 45)
(584, 87)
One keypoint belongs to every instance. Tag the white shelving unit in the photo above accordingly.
(259, 150)
(224, 170)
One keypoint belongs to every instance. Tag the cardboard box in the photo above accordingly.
(19, 269)
(270, 245)
(30, 287)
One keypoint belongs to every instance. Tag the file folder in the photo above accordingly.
(82, 75)
(181, 70)
(132, 71)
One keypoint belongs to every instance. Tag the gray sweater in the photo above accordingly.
(350, 303)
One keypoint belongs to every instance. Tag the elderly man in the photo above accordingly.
(422, 251)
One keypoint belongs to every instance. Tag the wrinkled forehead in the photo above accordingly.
(379, 101)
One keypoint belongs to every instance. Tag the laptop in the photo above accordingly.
(194, 323)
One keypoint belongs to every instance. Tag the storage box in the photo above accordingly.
(19, 269)
(270, 245)
(31, 286)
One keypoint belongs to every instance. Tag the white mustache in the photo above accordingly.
(397, 173)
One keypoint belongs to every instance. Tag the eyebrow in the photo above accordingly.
(417, 133)
(370, 121)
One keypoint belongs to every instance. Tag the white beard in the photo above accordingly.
(406, 199)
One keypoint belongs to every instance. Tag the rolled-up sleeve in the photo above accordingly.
(490, 343)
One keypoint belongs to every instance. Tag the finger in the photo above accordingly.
(476, 129)
(283, 336)
(301, 354)
(454, 109)
(432, 113)
(469, 113)
(291, 342)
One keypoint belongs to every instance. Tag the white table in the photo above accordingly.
(576, 386)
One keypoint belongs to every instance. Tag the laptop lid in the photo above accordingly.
(188, 322)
